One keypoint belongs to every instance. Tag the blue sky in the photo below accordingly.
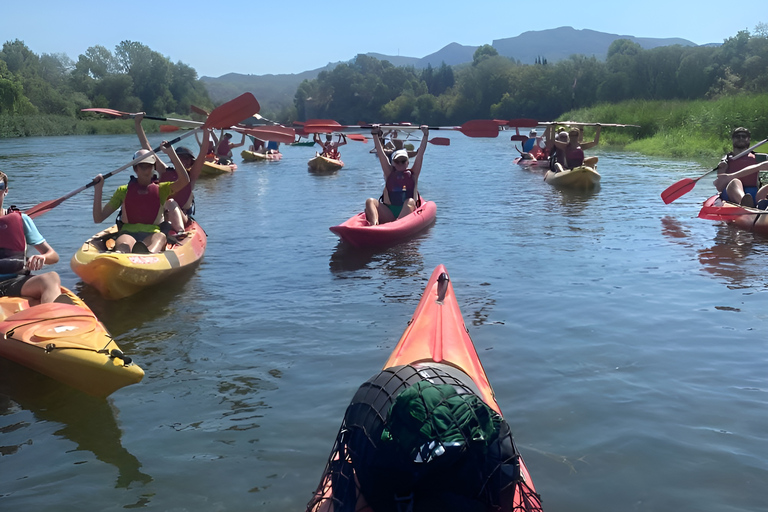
(289, 36)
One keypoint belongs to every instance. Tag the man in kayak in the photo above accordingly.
(142, 202)
(533, 147)
(737, 180)
(330, 148)
(181, 205)
(19, 231)
(401, 195)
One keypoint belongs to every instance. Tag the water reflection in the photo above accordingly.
(86, 421)
(402, 260)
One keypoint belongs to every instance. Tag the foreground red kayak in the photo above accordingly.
(748, 219)
(356, 231)
(426, 434)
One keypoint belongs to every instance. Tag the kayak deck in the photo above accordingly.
(117, 275)
(357, 232)
(65, 341)
(581, 177)
(388, 421)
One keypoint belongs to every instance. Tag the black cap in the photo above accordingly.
(740, 129)
(181, 150)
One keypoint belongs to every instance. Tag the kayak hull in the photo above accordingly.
(746, 219)
(435, 347)
(530, 163)
(66, 342)
(324, 164)
(357, 232)
(582, 177)
(116, 275)
(214, 169)
(253, 156)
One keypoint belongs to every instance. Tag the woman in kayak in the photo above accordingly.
(569, 148)
(181, 205)
(225, 146)
(142, 201)
(18, 232)
(401, 195)
(330, 148)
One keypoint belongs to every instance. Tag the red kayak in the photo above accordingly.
(357, 232)
(372, 465)
(746, 218)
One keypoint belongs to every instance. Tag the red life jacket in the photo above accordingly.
(400, 186)
(142, 205)
(330, 151)
(223, 148)
(753, 180)
(13, 243)
(574, 157)
(183, 195)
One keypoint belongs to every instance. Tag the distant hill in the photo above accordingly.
(560, 43)
(276, 91)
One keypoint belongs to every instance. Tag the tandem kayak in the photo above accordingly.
(743, 217)
(531, 162)
(357, 232)
(65, 341)
(322, 163)
(406, 442)
(214, 169)
(582, 177)
(254, 156)
(117, 275)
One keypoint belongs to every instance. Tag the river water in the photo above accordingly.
(622, 335)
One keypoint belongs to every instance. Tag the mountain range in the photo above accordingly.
(276, 91)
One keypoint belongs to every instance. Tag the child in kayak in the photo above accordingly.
(19, 231)
(400, 196)
(142, 202)
(180, 206)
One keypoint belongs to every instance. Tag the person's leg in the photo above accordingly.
(174, 215)
(408, 208)
(43, 287)
(124, 243)
(156, 242)
(590, 161)
(735, 191)
(372, 211)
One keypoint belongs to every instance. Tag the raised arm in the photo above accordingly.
(182, 178)
(587, 145)
(197, 166)
(341, 142)
(416, 169)
(376, 134)
(242, 142)
(144, 141)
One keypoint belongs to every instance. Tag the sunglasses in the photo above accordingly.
(401, 161)
(2, 186)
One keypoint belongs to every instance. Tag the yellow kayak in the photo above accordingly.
(65, 341)
(253, 156)
(117, 275)
(581, 177)
(324, 164)
(214, 169)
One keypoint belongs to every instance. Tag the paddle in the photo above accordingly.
(275, 133)
(357, 137)
(685, 185)
(222, 117)
(523, 123)
(128, 115)
(474, 128)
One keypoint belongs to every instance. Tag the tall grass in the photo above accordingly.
(697, 129)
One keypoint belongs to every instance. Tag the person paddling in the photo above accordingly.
(142, 202)
(738, 179)
(330, 148)
(18, 232)
(400, 196)
(225, 146)
(569, 149)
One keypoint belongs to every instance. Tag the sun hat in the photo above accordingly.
(533, 133)
(150, 159)
(399, 154)
(740, 129)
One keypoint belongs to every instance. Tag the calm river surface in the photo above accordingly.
(622, 335)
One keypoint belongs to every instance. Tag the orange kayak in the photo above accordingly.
(65, 341)
(369, 470)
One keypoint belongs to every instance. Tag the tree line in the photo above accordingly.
(493, 86)
(133, 78)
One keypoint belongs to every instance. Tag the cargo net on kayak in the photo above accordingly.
(416, 438)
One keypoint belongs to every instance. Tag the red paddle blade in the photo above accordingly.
(523, 123)
(198, 110)
(357, 137)
(108, 111)
(168, 128)
(233, 111)
(44, 207)
(677, 190)
(440, 141)
(274, 133)
(518, 138)
(480, 128)
(323, 122)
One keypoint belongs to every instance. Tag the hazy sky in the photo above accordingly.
(291, 36)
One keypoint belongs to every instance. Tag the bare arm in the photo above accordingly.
(386, 167)
(341, 143)
(47, 256)
(416, 169)
(242, 142)
(594, 143)
(722, 180)
(197, 166)
(144, 141)
(182, 177)
(100, 212)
